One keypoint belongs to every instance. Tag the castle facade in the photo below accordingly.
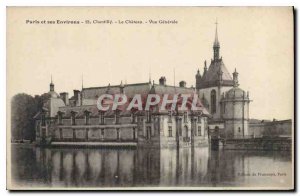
(223, 113)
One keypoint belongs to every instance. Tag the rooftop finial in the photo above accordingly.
(149, 74)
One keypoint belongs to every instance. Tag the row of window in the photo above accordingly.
(87, 118)
(170, 132)
(117, 118)
(186, 131)
(101, 133)
(185, 117)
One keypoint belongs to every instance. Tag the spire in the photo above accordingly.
(216, 45)
(198, 74)
(205, 68)
(51, 84)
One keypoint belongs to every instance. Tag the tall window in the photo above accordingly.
(117, 116)
(133, 116)
(170, 131)
(134, 137)
(102, 133)
(118, 134)
(87, 117)
(185, 117)
(186, 131)
(148, 115)
(59, 118)
(199, 131)
(43, 120)
(213, 101)
(170, 116)
(60, 133)
(180, 128)
(101, 116)
(148, 133)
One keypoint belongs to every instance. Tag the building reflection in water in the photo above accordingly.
(184, 167)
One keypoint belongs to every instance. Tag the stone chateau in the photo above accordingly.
(224, 112)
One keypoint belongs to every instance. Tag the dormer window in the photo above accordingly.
(73, 118)
(101, 117)
(199, 119)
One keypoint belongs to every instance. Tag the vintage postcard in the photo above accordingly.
(150, 98)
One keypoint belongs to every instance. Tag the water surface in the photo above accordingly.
(199, 167)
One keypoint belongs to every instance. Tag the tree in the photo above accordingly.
(23, 109)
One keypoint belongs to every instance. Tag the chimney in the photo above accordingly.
(65, 97)
(162, 80)
(77, 97)
(182, 84)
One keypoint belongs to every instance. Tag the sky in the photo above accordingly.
(257, 41)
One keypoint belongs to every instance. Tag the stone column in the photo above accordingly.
(192, 131)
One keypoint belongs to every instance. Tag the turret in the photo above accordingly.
(235, 78)
(51, 85)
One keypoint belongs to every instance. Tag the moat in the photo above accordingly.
(187, 167)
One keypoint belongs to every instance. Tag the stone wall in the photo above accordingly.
(274, 128)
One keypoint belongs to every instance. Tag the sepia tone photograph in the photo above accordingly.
(150, 98)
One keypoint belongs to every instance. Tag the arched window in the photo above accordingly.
(213, 101)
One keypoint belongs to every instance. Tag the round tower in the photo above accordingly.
(235, 111)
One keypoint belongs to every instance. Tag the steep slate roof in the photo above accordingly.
(211, 76)
(165, 89)
(130, 90)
